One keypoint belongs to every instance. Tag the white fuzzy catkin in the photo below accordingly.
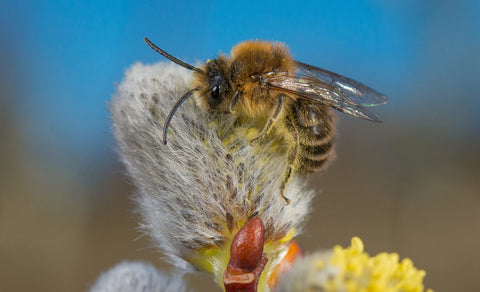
(137, 277)
(307, 275)
(197, 189)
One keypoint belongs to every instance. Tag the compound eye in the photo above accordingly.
(215, 91)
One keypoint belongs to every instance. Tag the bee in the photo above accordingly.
(261, 81)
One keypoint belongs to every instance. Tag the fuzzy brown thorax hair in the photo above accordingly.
(237, 75)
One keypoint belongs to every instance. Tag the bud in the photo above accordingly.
(247, 260)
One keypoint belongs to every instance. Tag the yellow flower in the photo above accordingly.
(353, 270)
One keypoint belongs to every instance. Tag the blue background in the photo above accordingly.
(65, 56)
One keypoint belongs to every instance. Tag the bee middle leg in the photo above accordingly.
(270, 122)
(291, 157)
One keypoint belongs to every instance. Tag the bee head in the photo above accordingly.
(215, 86)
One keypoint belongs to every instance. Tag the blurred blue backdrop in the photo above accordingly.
(66, 56)
(61, 60)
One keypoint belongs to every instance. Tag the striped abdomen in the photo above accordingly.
(315, 125)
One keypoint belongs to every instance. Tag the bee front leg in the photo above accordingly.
(270, 122)
(234, 102)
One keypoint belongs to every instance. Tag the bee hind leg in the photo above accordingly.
(286, 178)
(270, 122)
(291, 157)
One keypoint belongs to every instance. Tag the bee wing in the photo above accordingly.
(322, 86)
(318, 91)
(350, 88)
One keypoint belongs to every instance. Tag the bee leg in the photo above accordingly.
(291, 157)
(234, 102)
(270, 122)
(286, 177)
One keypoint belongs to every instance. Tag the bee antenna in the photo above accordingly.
(174, 109)
(170, 57)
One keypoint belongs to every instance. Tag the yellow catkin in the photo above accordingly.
(360, 272)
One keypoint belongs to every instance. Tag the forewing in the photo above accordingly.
(355, 91)
(318, 91)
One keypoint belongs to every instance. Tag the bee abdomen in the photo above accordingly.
(314, 158)
(316, 141)
(317, 152)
